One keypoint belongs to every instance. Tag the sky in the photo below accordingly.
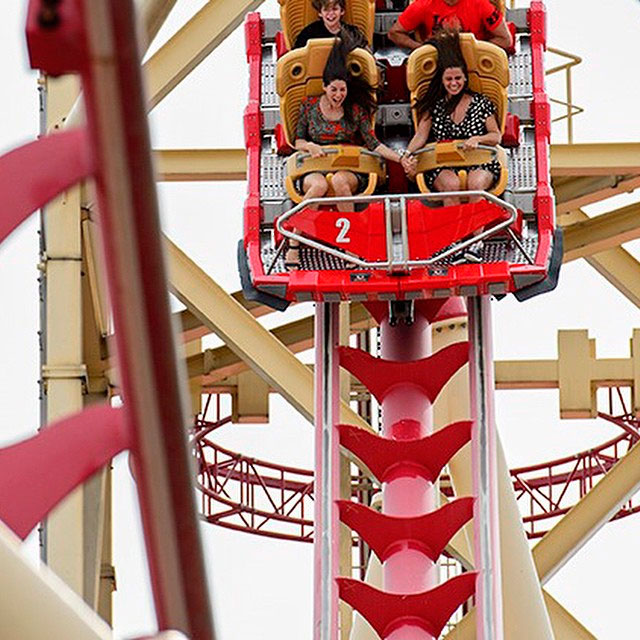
(263, 589)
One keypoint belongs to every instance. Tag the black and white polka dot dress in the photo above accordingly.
(473, 124)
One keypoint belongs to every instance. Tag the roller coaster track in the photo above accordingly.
(264, 498)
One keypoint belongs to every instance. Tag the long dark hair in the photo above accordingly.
(449, 56)
(359, 91)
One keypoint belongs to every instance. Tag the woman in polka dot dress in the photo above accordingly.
(449, 110)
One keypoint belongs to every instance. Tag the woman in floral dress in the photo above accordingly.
(342, 114)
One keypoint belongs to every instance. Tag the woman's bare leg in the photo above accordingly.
(448, 180)
(479, 180)
(314, 185)
(344, 184)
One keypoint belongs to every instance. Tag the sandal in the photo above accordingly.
(292, 262)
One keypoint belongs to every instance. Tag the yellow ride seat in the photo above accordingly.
(295, 15)
(299, 75)
(488, 68)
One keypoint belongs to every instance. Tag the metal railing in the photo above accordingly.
(571, 108)
(397, 240)
(246, 494)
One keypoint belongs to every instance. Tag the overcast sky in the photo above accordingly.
(262, 589)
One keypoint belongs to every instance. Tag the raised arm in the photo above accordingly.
(400, 36)
(501, 36)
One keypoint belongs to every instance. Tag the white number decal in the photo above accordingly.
(343, 224)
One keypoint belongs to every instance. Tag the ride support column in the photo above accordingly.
(326, 537)
(407, 415)
(485, 475)
(407, 458)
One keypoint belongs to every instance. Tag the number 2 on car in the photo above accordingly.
(344, 225)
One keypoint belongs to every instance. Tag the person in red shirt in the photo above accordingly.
(479, 17)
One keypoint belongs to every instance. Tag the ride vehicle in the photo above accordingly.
(399, 243)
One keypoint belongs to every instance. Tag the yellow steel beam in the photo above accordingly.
(544, 374)
(189, 165)
(586, 517)
(192, 327)
(192, 44)
(266, 355)
(606, 231)
(578, 191)
(97, 289)
(621, 269)
(216, 364)
(565, 626)
(595, 158)
(617, 266)
(521, 592)
(36, 604)
(64, 371)
(195, 164)
(153, 14)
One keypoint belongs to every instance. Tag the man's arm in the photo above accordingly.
(500, 36)
(398, 35)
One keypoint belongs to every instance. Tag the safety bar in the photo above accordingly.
(301, 156)
(392, 263)
(460, 145)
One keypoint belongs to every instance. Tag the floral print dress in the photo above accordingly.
(314, 127)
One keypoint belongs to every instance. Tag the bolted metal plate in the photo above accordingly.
(272, 172)
(520, 85)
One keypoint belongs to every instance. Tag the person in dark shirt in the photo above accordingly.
(330, 24)
(479, 17)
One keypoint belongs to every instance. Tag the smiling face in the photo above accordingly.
(336, 92)
(331, 14)
(453, 80)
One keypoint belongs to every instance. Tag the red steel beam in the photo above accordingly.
(153, 390)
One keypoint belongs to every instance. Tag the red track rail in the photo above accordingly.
(246, 494)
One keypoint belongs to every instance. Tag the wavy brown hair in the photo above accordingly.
(449, 56)
(359, 91)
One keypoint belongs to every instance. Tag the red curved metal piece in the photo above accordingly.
(429, 374)
(430, 531)
(31, 175)
(39, 472)
(388, 612)
(98, 38)
(263, 498)
(428, 455)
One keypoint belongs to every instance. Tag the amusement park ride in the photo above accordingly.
(431, 486)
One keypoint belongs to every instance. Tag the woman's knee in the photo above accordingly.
(343, 183)
(479, 180)
(315, 183)
(447, 181)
